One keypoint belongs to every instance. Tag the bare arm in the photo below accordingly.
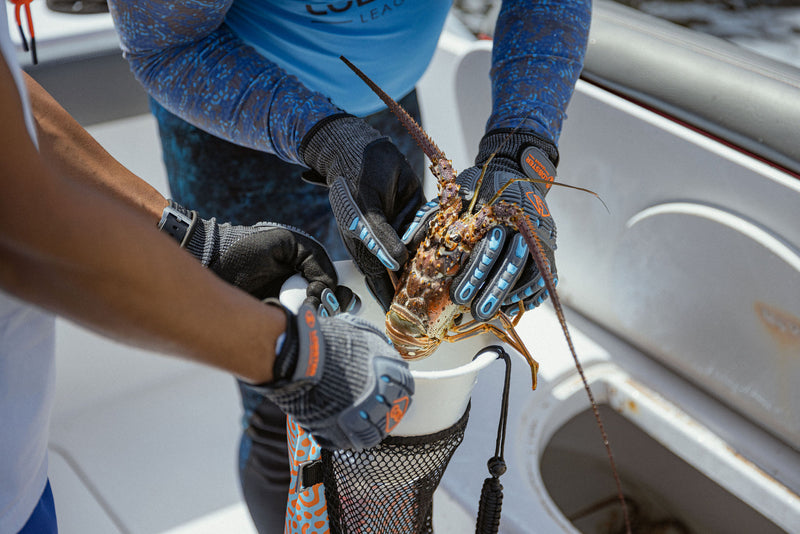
(73, 153)
(80, 251)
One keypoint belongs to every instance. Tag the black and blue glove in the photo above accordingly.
(336, 374)
(374, 194)
(500, 271)
(339, 378)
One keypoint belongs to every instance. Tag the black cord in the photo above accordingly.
(491, 502)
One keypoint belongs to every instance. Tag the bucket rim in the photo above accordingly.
(481, 361)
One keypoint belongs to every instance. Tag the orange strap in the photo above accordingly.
(306, 510)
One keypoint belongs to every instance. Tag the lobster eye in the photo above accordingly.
(400, 323)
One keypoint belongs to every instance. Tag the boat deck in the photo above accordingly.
(143, 444)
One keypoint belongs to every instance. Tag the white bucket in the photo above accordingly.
(443, 382)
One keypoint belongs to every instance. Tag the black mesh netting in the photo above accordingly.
(388, 489)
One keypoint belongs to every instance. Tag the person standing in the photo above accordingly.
(256, 86)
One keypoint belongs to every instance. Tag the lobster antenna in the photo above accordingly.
(427, 145)
(535, 249)
(526, 179)
(540, 181)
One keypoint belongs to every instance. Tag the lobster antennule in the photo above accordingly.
(427, 145)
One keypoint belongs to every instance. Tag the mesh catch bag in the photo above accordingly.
(388, 489)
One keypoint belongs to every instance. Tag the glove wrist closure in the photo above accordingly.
(177, 222)
(187, 228)
(300, 362)
(521, 152)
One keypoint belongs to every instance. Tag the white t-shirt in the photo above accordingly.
(27, 375)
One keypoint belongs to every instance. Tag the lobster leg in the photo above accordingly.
(507, 334)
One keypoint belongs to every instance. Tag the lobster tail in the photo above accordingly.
(427, 145)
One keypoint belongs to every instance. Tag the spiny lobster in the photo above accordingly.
(422, 314)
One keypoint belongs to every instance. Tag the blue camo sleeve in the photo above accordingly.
(539, 48)
(194, 66)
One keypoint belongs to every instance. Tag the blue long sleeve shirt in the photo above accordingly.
(261, 73)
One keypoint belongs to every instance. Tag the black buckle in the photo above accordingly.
(308, 474)
(175, 223)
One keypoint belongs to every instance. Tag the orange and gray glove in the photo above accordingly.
(339, 378)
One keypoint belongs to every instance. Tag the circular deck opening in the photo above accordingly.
(665, 493)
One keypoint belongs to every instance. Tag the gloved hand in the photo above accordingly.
(339, 378)
(257, 259)
(374, 194)
(500, 271)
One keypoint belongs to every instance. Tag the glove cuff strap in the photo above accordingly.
(537, 165)
(301, 358)
(523, 151)
(177, 222)
(285, 359)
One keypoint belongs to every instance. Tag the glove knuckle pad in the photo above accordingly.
(506, 273)
(381, 408)
(357, 432)
(418, 226)
(361, 240)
